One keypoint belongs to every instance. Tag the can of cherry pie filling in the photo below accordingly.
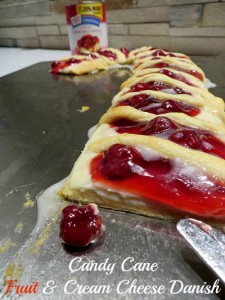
(87, 26)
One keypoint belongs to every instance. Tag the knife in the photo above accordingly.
(207, 242)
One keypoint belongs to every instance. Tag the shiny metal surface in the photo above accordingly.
(208, 243)
(41, 134)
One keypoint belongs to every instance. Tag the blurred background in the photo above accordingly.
(194, 27)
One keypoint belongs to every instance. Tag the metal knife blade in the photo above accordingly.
(207, 242)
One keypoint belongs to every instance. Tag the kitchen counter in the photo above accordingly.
(14, 59)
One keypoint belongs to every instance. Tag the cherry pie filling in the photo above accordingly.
(147, 103)
(107, 53)
(170, 182)
(175, 76)
(88, 42)
(171, 66)
(164, 127)
(125, 51)
(157, 86)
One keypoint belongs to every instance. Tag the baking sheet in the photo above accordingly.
(41, 134)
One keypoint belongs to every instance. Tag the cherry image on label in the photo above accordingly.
(88, 42)
(81, 225)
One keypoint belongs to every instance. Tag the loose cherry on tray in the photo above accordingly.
(81, 225)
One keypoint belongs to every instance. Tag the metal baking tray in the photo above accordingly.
(41, 134)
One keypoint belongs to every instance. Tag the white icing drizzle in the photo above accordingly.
(147, 154)
(169, 91)
(95, 209)
(48, 204)
(91, 131)
(197, 178)
(209, 84)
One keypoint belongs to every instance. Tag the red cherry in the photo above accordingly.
(162, 53)
(159, 125)
(171, 106)
(73, 61)
(55, 64)
(188, 138)
(139, 100)
(161, 65)
(81, 225)
(119, 161)
(125, 51)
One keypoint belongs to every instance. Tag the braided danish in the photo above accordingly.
(159, 149)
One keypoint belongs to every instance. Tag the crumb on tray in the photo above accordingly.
(83, 109)
(6, 245)
(28, 202)
(19, 227)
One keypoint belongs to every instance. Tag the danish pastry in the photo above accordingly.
(159, 149)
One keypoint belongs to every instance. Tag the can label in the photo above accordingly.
(87, 27)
